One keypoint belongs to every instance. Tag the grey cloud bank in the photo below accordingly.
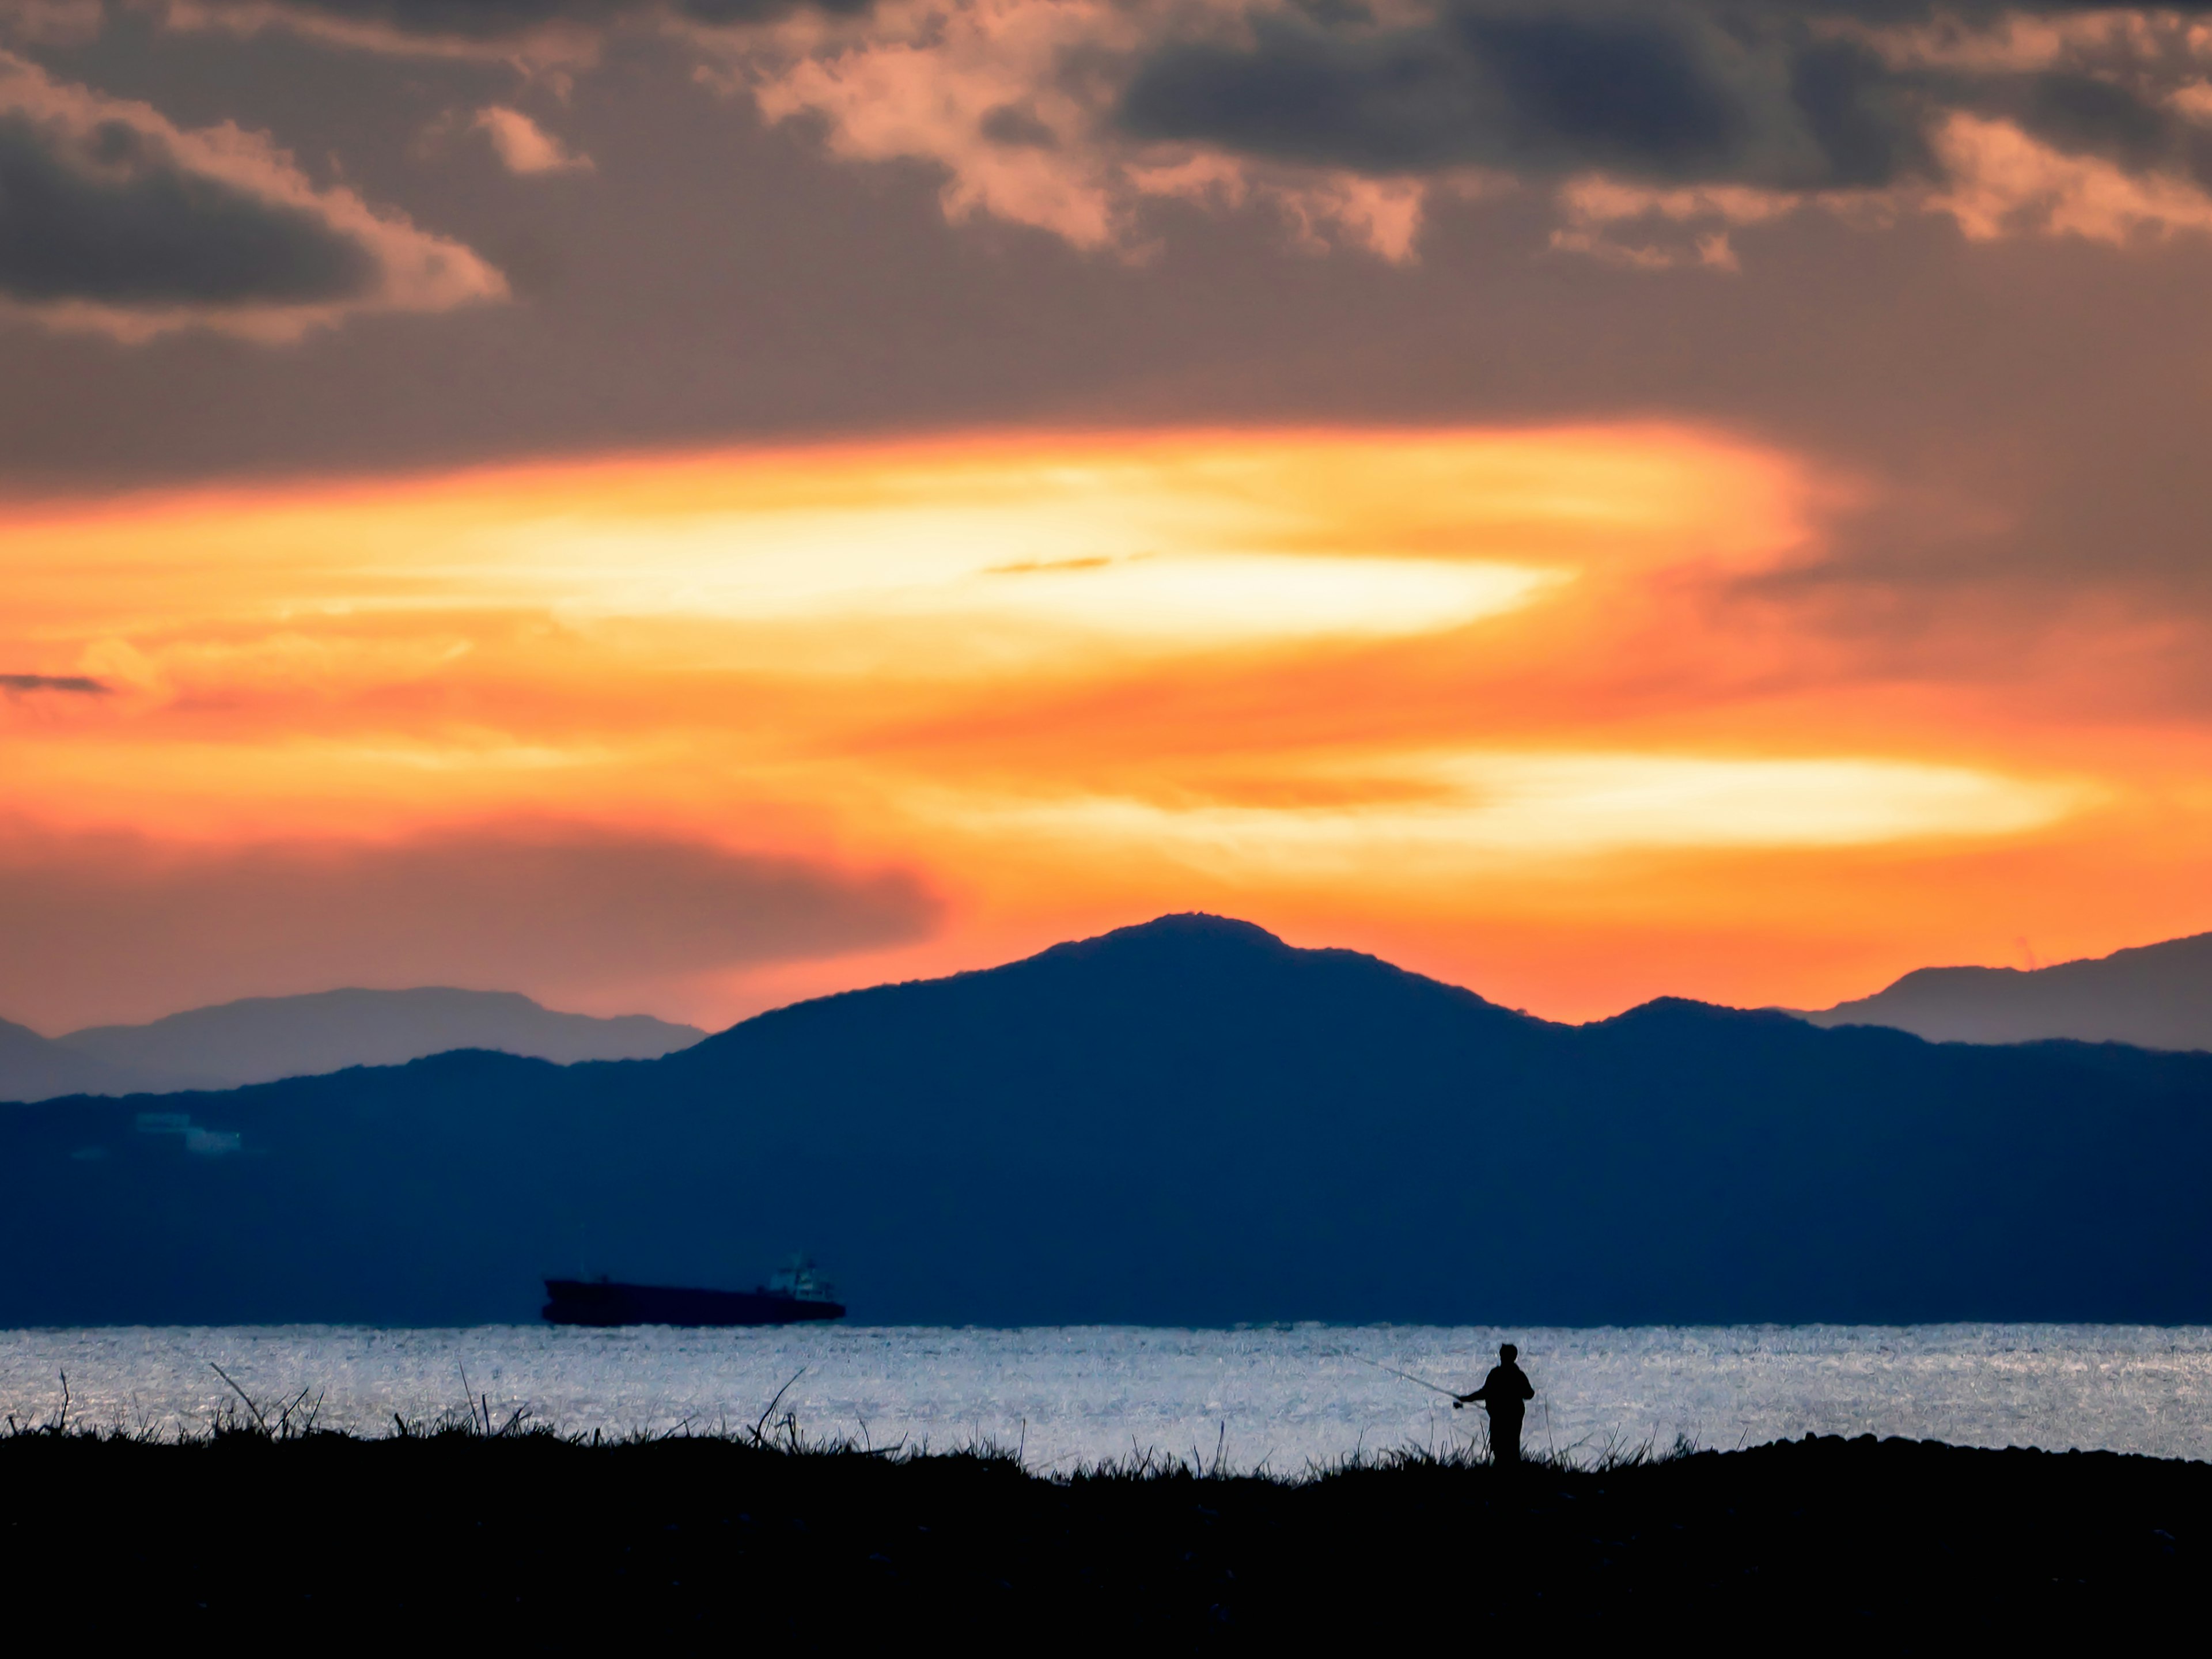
(106, 927)
(113, 213)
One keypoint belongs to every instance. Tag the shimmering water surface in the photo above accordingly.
(1281, 1397)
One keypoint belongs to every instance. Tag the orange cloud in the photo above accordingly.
(523, 146)
(1534, 710)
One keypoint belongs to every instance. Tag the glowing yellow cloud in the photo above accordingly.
(952, 590)
(933, 560)
(1480, 810)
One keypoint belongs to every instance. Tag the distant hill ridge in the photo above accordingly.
(2154, 996)
(1185, 1122)
(35, 1068)
(261, 1039)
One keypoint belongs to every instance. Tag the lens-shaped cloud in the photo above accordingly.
(957, 559)
(1471, 809)
(957, 590)
(113, 218)
(80, 685)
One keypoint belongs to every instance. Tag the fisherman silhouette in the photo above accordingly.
(1504, 1393)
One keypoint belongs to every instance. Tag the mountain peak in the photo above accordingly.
(1688, 1011)
(1184, 930)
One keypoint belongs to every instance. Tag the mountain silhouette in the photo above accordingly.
(2154, 996)
(1188, 1121)
(259, 1039)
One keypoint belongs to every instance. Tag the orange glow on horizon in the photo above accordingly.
(1515, 708)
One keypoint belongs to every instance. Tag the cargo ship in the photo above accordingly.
(794, 1297)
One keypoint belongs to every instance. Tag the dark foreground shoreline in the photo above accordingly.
(711, 1541)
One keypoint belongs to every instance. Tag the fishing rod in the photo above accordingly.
(1434, 1388)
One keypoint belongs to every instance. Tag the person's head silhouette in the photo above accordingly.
(1508, 1352)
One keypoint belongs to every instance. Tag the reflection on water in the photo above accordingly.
(1278, 1395)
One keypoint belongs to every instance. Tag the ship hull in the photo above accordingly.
(595, 1302)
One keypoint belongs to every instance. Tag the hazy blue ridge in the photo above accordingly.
(2154, 996)
(1186, 1122)
(35, 1067)
(260, 1039)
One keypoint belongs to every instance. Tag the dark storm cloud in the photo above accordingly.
(2097, 115)
(1862, 124)
(1650, 91)
(2081, 113)
(110, 215)
(496, 21)
(114, 218)
(1982, 11)
(1776, 96)
(112, 927)
(68, 684)
(492, 20)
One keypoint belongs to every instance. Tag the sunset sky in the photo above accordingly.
(674, 505)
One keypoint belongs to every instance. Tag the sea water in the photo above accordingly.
(1279, 1397)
